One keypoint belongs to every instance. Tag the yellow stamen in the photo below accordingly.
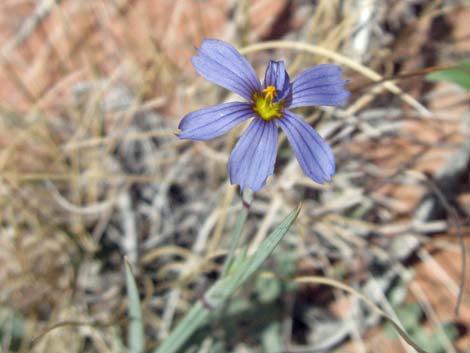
(264, 106)
(270, 92)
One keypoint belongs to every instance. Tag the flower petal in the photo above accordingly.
(222, 64)
(320, 85)
(313, 153)
(207, 123)
(252, 160)
(276, 75)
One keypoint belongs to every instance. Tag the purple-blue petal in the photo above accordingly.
(220, 63)
(320, 85)
(313, 153)
(252, 160)
(208, 123)
(276, 75)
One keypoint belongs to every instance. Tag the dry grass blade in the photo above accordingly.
(91, 170)
(341, 59)
(373, 306)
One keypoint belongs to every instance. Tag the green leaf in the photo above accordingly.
(268, 288)
(450, 330)
(435, 341)
(460, 75)
(136, 338)
(223, 289)
(12, 329)
(423, 340)
(286, 261)
(267, 247)
(271, 338)
(410, 316)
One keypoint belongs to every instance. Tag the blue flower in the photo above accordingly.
(252, 160)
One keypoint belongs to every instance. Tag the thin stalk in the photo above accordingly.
(237, 232)
(200, 312)
(223, 289)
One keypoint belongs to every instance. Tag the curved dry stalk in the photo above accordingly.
(333, 283)
(371, 74)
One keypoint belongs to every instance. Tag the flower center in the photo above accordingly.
(264, 106)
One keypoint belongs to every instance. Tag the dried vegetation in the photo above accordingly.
(90, 96)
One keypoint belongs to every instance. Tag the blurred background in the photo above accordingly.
(91, 93)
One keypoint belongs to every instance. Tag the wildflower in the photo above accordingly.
(252, 160)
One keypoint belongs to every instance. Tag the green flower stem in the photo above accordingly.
(224, 288)
(237, 232)
(199, 313)
(235, 240)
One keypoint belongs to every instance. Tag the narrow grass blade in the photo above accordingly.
(136, 338)
(224, 288)
(196, 317)
(265, 249)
